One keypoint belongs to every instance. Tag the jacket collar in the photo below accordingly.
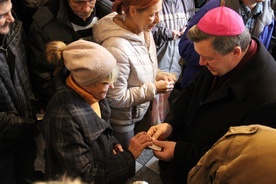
(241, 88)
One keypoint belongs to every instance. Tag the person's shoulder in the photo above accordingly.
(43, 15)
(211, 4)
(103, 8)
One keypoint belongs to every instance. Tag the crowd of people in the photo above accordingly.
(114, 77)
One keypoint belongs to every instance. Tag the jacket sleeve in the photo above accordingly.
(123, 95)
(15, 127)
(187, 154)
(161, 35)
(265, 115)
(103, 7)
(178, 109)
(41, 71)
(75, 154)
(267, 34)
(186, 47)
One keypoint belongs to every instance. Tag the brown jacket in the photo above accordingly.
(245, 154)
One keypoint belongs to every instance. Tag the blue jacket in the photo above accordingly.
(263, 30)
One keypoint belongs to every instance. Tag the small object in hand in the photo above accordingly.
(154, 147)
(140, 182)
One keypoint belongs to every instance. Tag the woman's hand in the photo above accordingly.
(165, 76)
(138, 143)
(117, 149)
(164, 86)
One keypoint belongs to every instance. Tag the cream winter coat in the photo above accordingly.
(134, 88)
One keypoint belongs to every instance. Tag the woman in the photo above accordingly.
(78, 135)
(126, 33)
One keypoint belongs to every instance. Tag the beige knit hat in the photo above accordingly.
(88, 62)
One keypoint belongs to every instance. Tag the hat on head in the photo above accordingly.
(221, 21)
(88, 62)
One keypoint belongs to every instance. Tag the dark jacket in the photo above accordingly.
(50, 23)
(16, 108)
(17, 117)
(79, 143)
(199, 120)
(263, 30)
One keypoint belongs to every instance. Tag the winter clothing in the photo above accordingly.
(134, 88)
(77, 58)
(25, 9)
(17, 117)
(263, 30)
(79, 143)
(245, 154)
(174, 16)
(53, 23)
(199, 120)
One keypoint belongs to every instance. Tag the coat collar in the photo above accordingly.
(240, 84)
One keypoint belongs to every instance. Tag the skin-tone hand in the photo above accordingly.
(117, 149)
(166, 77)
(138, 143)
(167, 152)
(160, 132)
(176, 34)
(164, 86)
(182, 31)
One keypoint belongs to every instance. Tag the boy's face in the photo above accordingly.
(5, 17)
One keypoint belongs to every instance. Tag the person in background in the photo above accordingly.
(174, 17)
(235, 87)
(166, 34)
(257, 16)
(60, 20)
(25, 9)
(78, 135)
(126, 33)
(245, 154)
(200, 3)
(18, 125)
(272, 46)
